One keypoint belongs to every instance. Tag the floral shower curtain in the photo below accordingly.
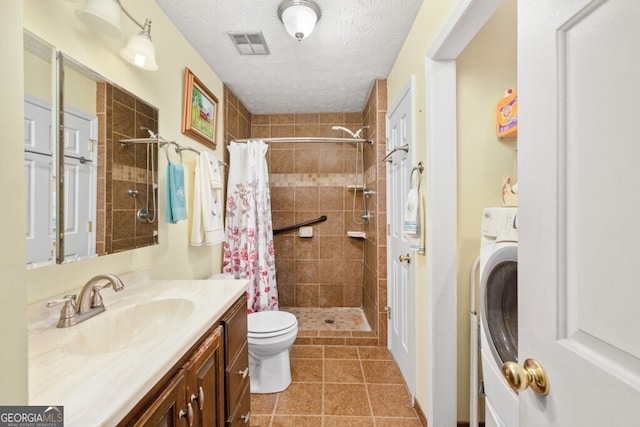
(248, 247)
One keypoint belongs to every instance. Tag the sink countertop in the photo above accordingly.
(100, 389)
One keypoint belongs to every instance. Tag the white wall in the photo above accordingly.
(430, 19)
(13, 292)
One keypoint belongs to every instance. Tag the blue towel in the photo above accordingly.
(176, 202)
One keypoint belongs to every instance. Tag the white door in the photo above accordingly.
(400, 271)
(579, 281)
(38, 162)
(80, 180)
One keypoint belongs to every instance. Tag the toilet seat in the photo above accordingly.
(265, 324)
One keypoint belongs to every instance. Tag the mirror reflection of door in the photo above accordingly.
(38, 164)
(80, 179)
(39, 151)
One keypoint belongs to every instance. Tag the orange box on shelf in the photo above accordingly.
(507, 116)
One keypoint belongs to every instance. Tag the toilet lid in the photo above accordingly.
(268, 322)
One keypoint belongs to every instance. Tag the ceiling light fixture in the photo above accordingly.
(104, 16)
(299, 17)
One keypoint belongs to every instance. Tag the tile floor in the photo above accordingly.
(329, 319)
(345, 386)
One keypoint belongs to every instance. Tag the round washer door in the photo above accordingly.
(499, 303)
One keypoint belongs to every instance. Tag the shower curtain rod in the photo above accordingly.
(305, 139)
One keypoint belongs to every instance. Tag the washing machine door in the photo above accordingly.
(499, 303)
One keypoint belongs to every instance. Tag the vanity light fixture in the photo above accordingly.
(104, 16)
(299, 17)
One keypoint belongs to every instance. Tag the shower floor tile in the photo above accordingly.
(333, 319)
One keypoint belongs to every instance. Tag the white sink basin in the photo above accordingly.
(120, 328)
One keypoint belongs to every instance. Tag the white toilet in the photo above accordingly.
(270, 335)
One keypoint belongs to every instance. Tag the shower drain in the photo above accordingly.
(330, 321)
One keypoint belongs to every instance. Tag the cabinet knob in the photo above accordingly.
(198, 398)
(244, 372)
(188, 414)
(245, 418)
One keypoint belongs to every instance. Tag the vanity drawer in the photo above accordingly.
(237, 376)
(241, 414)
(235, 321)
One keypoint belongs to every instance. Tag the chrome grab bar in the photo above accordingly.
(404, 148)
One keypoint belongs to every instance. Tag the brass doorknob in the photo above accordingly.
(531, 374)
(405, 258)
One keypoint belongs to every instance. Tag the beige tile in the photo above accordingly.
(307, 272)
(375, 353)
(397, 422)
(306, 162)
(348, 422)
(259, 420)
(346, 399)
(278, 119)
(296, 421)
(331, 161)
(300, 399)
(307, 118)
(306, 352)
(342, 371)
(381, 372)
(332, 247)
(331, 296)
(282, 161)
(331, 198)
(263, 403)
(282, 131)
(307, 295)
(332, 118)
(306, 370)
(260, 119)
(390, 401)
(306, 198)
(340, 352)
(282, 198)
(307, 248)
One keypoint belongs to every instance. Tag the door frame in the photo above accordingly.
(407, 91)
(463, 24)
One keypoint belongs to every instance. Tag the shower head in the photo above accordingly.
(355, 134)
(344, 129)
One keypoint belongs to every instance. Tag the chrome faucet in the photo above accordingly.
(88, 304)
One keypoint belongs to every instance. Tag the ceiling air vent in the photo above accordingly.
(250, 43)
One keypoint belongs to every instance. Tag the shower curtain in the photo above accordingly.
(248, 247)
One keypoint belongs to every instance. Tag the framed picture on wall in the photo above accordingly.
(199, 110)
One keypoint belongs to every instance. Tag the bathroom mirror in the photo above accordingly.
(104, 198)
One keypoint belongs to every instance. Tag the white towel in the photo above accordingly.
(411, 224)
(208, 222)
(414, 221)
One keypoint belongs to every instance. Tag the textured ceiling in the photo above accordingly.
(354, 43)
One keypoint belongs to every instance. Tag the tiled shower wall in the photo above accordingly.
(308, 180)
(120, 116)
(375, 253)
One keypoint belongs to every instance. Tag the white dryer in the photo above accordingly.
(499, 312)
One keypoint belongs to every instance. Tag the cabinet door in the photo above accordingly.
(170, 409)
(205, 385)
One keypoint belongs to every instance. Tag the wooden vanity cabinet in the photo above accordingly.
(168, 409)
(205, 381)
(238, 397)
(195, 395)
(209, 387)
